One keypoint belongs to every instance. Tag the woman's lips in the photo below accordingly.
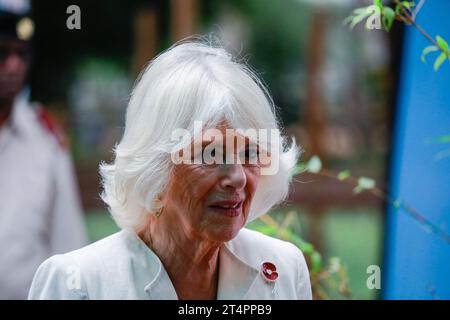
(227, 208)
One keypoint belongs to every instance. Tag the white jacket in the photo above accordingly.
(40, 210)
(121, 266)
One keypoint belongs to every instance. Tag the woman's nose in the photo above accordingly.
(233, 177)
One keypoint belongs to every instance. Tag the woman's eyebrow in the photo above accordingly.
(211, 142)
(237, 142)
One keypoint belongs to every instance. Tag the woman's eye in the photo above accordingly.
(213, 157)
(251, 156)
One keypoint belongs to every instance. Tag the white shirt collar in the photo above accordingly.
(21, 114)
(235, 276)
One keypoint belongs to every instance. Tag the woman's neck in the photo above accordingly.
(192, 264)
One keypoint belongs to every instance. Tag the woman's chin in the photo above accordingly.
(224, 234)
(223, 228)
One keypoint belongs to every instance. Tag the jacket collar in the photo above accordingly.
(235, 276)
(19, 121)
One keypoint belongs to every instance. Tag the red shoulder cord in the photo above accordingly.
(49, 123)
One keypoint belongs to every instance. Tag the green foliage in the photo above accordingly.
(299, 168)
(286, 234)
(333, 276)
(426, 51)
(326, 278)
(443, 47)
(343, 175)
(377, 16)
(400, 6)
(440, 60)
(442, 43)
(388, 16)
(364, 183)
(402, 12)
(378, 3)
(314, 165)
(358, 16)
(368, 184)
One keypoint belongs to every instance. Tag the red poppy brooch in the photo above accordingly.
(269, 271)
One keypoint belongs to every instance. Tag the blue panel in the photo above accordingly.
(416, 261)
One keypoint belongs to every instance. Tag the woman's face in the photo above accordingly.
(212, 201)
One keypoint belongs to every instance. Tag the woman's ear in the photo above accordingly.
(158, 202)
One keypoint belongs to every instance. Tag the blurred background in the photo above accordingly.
(337, 90)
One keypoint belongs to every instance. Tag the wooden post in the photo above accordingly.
(145, 38)
(183, 18)
(316, 121)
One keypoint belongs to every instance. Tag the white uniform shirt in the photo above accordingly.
(40, 213)
(122, 266)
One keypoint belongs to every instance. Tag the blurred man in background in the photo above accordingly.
(40, 213)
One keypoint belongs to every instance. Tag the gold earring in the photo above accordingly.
(159, 212)
(161, 208)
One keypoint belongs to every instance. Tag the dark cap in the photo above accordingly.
(15, 21)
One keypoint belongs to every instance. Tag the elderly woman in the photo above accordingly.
(188, 174)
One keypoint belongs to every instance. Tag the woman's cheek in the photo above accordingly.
(253, 175)
(203, 178)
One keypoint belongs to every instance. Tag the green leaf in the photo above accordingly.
(407, 4)
(314, 165)
(306, 247)
(358, 15)
(316, 262)
(439, 61)
(378, 3)
(299, 168)
(442, 43)
(360, 11)
(345, 174)
(364, 183)
(398, 8)
(426, 51)
(388, 18)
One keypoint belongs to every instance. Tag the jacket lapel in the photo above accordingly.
(148, 268)
(160, 287)
(235, 276)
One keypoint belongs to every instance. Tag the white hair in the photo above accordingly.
(191, 81)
